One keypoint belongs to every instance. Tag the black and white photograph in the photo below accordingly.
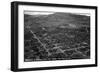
(52, 36)
(56, 36)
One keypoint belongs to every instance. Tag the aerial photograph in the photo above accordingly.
(51, 36)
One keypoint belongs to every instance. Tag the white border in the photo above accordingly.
(22, 64)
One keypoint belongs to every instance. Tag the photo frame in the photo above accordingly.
(52, 36)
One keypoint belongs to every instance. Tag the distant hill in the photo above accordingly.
(58, 19)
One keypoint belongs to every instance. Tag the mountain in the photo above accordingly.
(58, 19)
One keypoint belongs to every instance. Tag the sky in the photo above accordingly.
(47, 13)
(37, 13)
